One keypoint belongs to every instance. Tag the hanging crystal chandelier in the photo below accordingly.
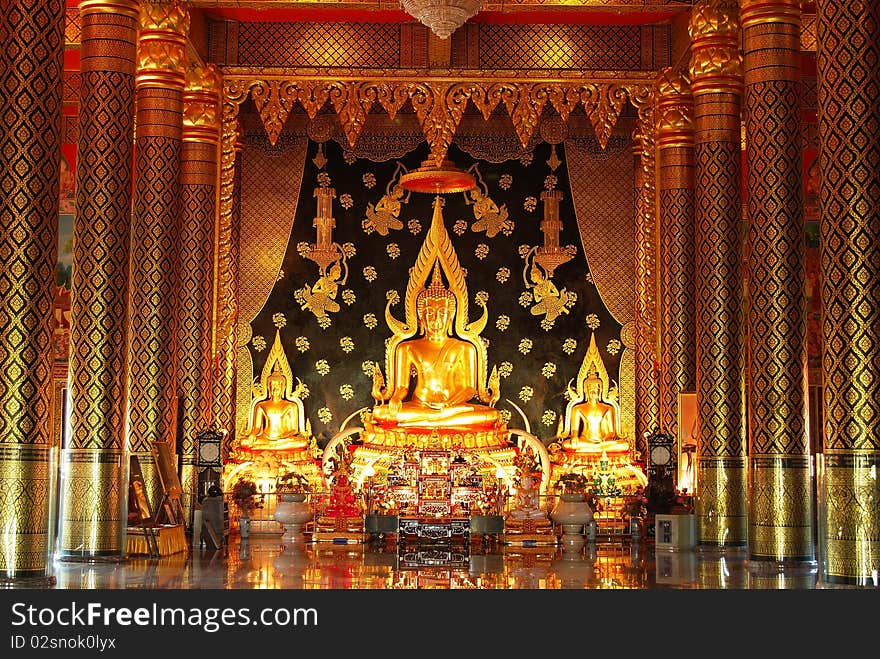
(443, 16)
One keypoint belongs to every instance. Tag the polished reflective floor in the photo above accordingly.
(267, 563)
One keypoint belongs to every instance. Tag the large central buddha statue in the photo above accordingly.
(445, 370)
(436, 361)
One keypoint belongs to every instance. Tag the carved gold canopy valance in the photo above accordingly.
(438, 100)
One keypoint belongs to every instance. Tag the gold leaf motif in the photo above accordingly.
(272, 105)
(351, 105)
(603, 104)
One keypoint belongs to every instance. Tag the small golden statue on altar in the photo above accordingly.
(340, 518)
(589, 440)
(277, 420)
(591, 423)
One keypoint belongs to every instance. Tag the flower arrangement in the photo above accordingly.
(244, 495)
(572, 483)
(292, 483)
(635, 505)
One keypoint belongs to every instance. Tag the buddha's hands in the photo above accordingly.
(394, 405)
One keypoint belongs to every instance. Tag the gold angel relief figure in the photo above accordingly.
(320, 297)
(488, 216)
(436, 363)
(385, 215)
(549, 301)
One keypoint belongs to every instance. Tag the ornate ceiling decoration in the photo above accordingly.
(439, 102)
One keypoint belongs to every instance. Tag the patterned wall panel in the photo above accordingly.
(72, 27)
(333, 329)
(270, 192)
(849, 64)
(589, 47)
(31, 63)
(361, 45)
(602, 190)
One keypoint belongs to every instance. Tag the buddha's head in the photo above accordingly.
(593, 387)
(435, 305)
(275, 384)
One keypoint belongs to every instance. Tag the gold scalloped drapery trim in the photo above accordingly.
(439, 102)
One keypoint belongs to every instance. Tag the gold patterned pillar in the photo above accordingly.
(675, 163)
(647, 391)
(226, 269)
(849, 243)
(152, 359)
(780, 501)
(94, 464)
(31, 63)
(198, 184)
(716, 73)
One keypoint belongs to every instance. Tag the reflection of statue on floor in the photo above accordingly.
(274, 422)
(445, 370)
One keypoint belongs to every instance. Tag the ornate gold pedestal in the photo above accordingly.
(340, 530)
(528, 532)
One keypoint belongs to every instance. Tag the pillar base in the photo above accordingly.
(8, 583)
(79, 558)
(789, 566)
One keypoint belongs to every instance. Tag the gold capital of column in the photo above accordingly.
(162, 44)
(675, 109)
(130, 8)
(201, 104)
(770, 11)
(716, 61)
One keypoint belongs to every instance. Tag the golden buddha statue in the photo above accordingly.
(445, 367)
(275, 421)
(592, 420)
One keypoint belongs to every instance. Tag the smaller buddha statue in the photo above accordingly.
(445, 370)
(275, 422)
(593, 421)
(526, 503)
(343, 499)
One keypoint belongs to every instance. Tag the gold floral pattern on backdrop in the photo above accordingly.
(335, 330)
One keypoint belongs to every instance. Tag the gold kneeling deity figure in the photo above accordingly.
(275, 422)
(593, 422)
(445, 368)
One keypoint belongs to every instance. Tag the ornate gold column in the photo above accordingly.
(198, 183)
(647, 392)
(152, 359)
(226, 269)
(94, 489)
(849, 233)
(780, 501)
(31, 63)
(675, 156)
(716, 72)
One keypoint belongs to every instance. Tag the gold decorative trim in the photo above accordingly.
(438, 100)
